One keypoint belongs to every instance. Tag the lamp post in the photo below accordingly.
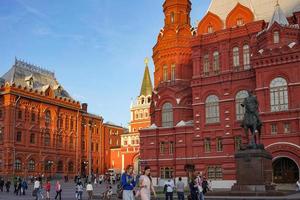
(50, 163)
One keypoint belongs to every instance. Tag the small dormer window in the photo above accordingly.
(59, 89)
(29, 81)
(276, 37)
(240, 22)
(172, 17)
(210, 29)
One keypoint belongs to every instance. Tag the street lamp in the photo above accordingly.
(50, 163)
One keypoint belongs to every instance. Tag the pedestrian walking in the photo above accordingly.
(37, 189)
(180, 189)
(199, 181)
(48, 188)
(128, 183)
(169, 185)
(146, 185)
(7, 185)
(79, 190)
(89, 190)
(58, 190)
(24, 187)
(1, 184)
(193, 188)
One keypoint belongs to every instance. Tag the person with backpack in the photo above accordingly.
(128, 183)
(169, 187)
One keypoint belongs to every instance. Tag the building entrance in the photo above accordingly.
(285, 170)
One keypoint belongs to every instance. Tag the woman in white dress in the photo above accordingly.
(146, 185)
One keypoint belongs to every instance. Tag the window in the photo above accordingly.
(72, 123)
(171, 148)
(246, 56)
(212, 109)
(47, 138)
(276, 37)
(18, 164)
(237, 142)
(172, 17)
(1, 113)
(67, 123)
(97, 147)
(110, 141)
(19, 136)
(216, 63)
(207, 146)
(278, 94)
(167, 115)
(210, 29)
(240, 22)
(31, 165)
(1, 134)
(32, 117)
(83, 145)
(162, 147)
(236, 58)
(206, 65)
(219, 144)
(71, 143)
(125, 141)
(70, 167)
(166, 172)
(20, 114)
(60, 166)
(287, 127)
(273, 129)
(61, 122)
(239, 99)
(165, 71)
(59, 140)
(32, 138)
(47, 118)
(173, 71)
(215, 172)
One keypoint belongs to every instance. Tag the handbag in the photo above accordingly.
(34, 192)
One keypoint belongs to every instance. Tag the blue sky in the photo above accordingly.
(95, 47)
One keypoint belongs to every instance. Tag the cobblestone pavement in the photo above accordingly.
(68, 192)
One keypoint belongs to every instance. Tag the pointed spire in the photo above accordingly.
(278, 16)
(146, 88)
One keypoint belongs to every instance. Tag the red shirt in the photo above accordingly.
(47, 186)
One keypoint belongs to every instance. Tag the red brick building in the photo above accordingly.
(43, 130)
(201, 76)
(140, 118)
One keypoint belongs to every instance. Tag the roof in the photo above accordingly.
(146, 88)
(21, 73)
(262, 9)
(279, 17)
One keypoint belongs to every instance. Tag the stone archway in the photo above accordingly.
(136, 164)
(285, 170)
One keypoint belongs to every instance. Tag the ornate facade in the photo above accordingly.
(201, 76)
(43, 130)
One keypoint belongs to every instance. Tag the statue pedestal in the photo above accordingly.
(254, 170)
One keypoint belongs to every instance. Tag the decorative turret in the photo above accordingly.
(146, 88)
(177, 12)
(279, 17)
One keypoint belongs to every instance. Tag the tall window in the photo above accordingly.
(237, 142)
(59, 140)
(167, 115)
(60, 166)
(18, 164)
(173, 71)
(162, 147)
(67, 123)
(19, 136)
(212, 109)
(206, 64)
(215, 172)
(70, 167)
(31, 165)
(278, 94)
(246, 56)
(71, 143)
(47, 138)
(171, 148)
(47, 118)
(172, 17)
(210, 29)
(239, 98)
(276, 37)
(32, 117)
(286, 127)
(207, 145)
(32, 138)
(20, 114)
(166, 172)
(219, 144)
(165, 73)
(236, 57)
(1, 134)
(273, 129)
(216, 64)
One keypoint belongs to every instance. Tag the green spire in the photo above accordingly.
(146, 88)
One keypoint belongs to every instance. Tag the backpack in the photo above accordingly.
(165, 188)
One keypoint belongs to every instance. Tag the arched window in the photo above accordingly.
(47, 138)
(167, 115)
(212, 109)
(136, 115)
(165, 73)
(236, 57)
(246, 56)
(18, 164)
(47, 118)
(278, 94)
(70, 167)
(239, 98)
(276, 37)
(141, 114)
(216, 64)
(240, 22)
(210, 29)
(59, 140)
(143, 100)
(32, 138)
(149, 99)
(31, 165)
(71, 143)
(60, 166)
(172, 17)
(173, 72)
(206, 65)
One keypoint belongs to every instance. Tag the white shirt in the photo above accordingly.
(89, 187)
(170, 186)
(36, 184)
